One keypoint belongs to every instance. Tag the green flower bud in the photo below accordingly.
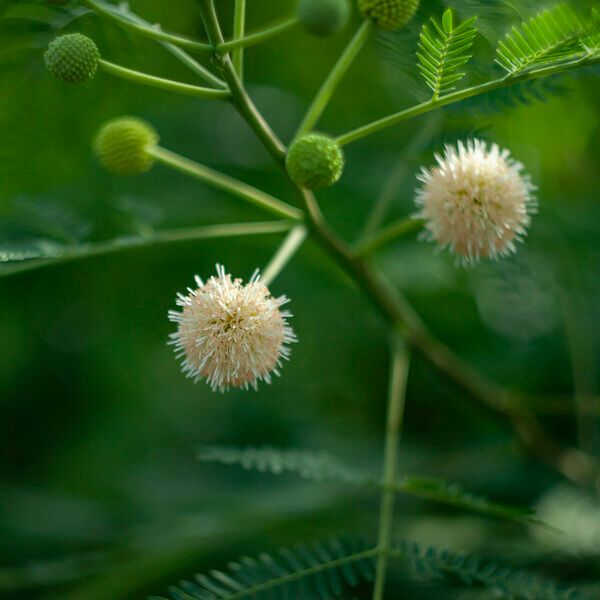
(323, 17)
(389, 14)
(315, 161)
(122, 146)
(72, 58)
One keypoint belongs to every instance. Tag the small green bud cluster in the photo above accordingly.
(315, 161)
(389, 14)
(323, 17)
(72, 58)
(122, 145)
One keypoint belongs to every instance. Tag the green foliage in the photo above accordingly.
(327, 569)
(452, 494)
(322, 466)
(444, 49)
(522, 93)
(503, 582)
(318, 571)
(314, 466)
(553, 34)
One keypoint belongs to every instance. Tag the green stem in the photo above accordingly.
(145, 30)
(324, 95)
(391, 232)
(239, 28)
(240, 98)
(156, 238)
(226, 183)
(238, 43)
(396, 402)
(286, 251)
(429, 105)
(163, 84)
(176, 51)
(194, 66)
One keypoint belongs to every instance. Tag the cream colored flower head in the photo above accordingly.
(477, 201)
(231, 334)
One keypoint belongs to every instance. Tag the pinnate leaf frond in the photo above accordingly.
(317, 571)
(444, 49)
(322, 466)
(505, 583)
(557, 33)
(308, 464)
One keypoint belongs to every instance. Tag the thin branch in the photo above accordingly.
(395, 413)
(324, 95)
(393, 231)
(226, 183)
(145, 30)
(239, 28)
(191, 63)
(425, 107)
(84, 251)
(286, 251)
(161, 83)
(253, 39)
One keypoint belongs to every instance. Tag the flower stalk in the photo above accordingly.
(324, 95)
(226, 183)
(161, 83)
(393, 231)
(284, 254)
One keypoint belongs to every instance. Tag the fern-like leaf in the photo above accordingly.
(444, 49)
(315, 466)
(453, 495)
(553, 34)
(321, 466)
(503, 582)
(319, 571)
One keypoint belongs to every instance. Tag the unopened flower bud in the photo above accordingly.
(72, 58)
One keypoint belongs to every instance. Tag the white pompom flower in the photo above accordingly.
(477, 202)
(231, 334)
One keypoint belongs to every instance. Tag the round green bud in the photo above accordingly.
(323, 17)
(315, 161)
(122, 145)
(72, 58)
(389, 14)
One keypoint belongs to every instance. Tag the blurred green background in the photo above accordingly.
(101, 496)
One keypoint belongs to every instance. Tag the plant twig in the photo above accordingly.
(396, 401)
(321, 100)
(161, 83)
(390, 232)
(429, 105)
(146, 30)
(238, 43)
(239, 28)
(225, 182)
(124, 14)
(188, 234)
(286, 251)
